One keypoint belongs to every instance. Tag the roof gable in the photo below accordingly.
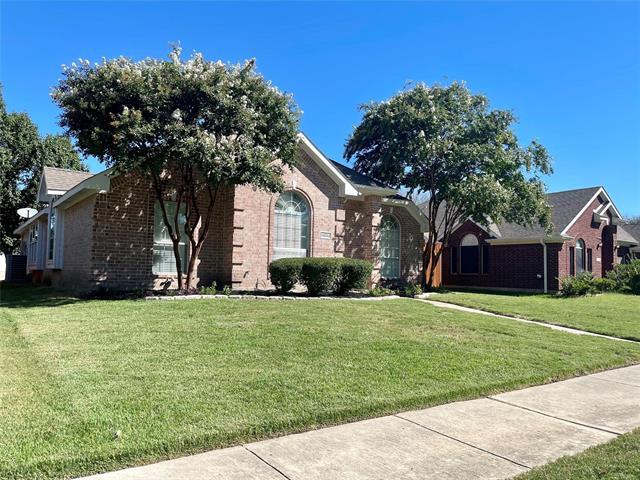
(57, 181)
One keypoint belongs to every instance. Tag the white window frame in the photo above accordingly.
(383, 258)
(167, 243)
(580, 249)
(57, 253)
(305, 229)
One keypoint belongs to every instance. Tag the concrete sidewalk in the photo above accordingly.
(494, 437)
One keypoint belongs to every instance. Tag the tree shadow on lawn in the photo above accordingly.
(15, 295)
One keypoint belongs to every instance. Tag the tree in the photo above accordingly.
(192, 126)
(446, 145)
(23, 154)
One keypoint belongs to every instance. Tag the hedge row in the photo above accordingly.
(336, 275)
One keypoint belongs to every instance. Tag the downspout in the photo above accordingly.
(544, 263)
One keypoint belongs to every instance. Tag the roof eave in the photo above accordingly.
(528, 240)
(26, 223)
(98, 183)
(345, 186)
(413, 210)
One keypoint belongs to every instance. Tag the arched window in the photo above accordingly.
(389, 247)
(291, 226)
(580, 256)
(469, 254)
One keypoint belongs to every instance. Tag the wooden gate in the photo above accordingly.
(437, 274)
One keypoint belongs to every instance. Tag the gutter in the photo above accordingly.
(544, 262)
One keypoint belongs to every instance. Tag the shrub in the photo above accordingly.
(319, 274)
(604, 285)
(285, 273)
(380, 291)
(623, 273)
(353, 274)
(581, 284)
(227, 290)
(210, 290)
(412, 289)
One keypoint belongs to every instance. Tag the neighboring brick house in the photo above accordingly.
(587, 236)
(105, 230)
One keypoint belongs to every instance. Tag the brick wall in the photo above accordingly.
(510, 266)
(598, 237)
(254, 214)
(77, 245)
(240, 243)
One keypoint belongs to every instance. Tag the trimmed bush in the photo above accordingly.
(320, 274)
(285, 273)
(353, 274)
(336, 275)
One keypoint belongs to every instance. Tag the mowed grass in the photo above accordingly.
(611, 314)
(186, 376)
(616, 460)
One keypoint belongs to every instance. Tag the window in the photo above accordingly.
(291, 226)
(454, 259)
(485, 259)
(52, 235)
(469, 254)
(572, 261)
(32, 247)
(389, 247)
(580, 256)
(589, 260)
(164, 260)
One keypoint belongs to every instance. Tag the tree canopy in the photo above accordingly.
(194, 126)
(23, 154)
(447, 145)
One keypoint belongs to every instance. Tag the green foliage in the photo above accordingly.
(227, 290)
(447, 145)
(285, 273)
(209, 290)
(335, 275)
(319, 274)
(380, 291)
(581, 284)
(192, 126)
(353, 274)
(604, 285)
(623, 273)
(412, 289)
(23, 153)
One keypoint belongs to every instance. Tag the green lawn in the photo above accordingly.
(616, 460)
(609, 314)
(186, 376)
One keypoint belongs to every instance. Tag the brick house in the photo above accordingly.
(105, 230)
(587, 235)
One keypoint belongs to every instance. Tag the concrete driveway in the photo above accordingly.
(494, 437)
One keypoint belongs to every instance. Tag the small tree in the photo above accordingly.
(193, 126)
(23, 154)
(445, 145)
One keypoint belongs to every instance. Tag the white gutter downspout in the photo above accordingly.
(544, 262)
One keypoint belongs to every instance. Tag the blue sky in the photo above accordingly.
(570, 71)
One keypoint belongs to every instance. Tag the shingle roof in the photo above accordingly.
(63, 178)
(357, 177)
(629, 232)
(564, 207)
